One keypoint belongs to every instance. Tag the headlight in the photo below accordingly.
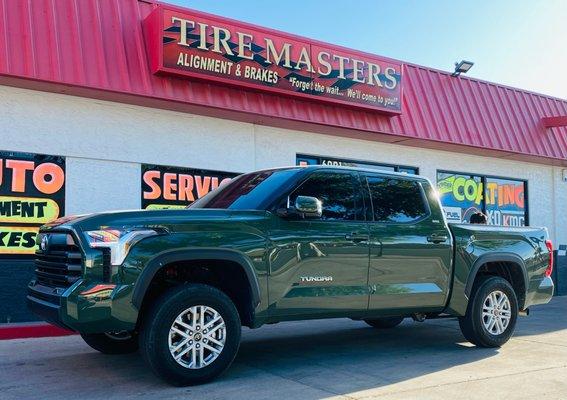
(118, 241)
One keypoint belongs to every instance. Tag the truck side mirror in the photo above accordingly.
(309, 207)
(305, 207)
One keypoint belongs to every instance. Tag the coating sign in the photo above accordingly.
(192, 44)
(502, 200)
(32, 193)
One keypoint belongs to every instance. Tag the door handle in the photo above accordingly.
(356, 237)
(437, 238)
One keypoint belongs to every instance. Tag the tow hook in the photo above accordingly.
(524, 313)
(419, 317)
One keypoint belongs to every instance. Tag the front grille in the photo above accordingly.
(60, 263)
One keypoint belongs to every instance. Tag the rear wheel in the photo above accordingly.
(191, 335)
(384, 323)
(122, 342)
(492, 313)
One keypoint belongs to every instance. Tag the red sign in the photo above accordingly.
(197, 45)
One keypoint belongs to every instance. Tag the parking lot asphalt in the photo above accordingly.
(329, 359)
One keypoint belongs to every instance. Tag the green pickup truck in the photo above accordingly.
(278, 245)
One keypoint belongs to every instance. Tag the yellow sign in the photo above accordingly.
(461, 188)
(18, 239)
(27, 210)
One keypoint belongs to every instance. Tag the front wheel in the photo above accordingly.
(491, 314)
(122, 342)
(191, 335)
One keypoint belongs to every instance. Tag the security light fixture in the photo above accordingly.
(462, 67)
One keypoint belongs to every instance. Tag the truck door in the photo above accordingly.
(321, 265)
(411, 246)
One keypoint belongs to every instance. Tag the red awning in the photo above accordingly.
(96, 49)
(554, 122)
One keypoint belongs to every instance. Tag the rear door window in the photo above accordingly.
(396, 200)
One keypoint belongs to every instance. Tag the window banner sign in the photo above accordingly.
(461, 195)
(191, 44)
(32, 193)
(505, 202)
(502, 200)
(177, 187)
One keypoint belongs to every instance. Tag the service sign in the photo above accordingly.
(192, 44)
(32, 193)
(177, 187)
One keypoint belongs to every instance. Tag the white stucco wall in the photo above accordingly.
(117, 185)
(105, 143)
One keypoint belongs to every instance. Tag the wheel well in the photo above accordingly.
(510, 271)
(227, 276)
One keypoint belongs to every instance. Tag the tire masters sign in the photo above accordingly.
(197, 45)
(32, 193)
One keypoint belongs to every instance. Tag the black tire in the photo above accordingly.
(112, 343)
(384, 323)
(156, 326)
(472, 325)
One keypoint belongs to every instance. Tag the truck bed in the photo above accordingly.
(476, 245)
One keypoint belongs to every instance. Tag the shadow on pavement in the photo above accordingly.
(545, 318)
(356, 358)
(303, 360)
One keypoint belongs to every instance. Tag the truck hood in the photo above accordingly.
(168, 218)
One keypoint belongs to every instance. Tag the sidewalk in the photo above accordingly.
(315, 360)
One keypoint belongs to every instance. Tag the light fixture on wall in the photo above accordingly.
(462, 67)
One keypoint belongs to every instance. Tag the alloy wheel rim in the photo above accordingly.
(496, 312)
(197, 337)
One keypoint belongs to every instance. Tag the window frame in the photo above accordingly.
(357, 178)
(424, 198)
(483, 178)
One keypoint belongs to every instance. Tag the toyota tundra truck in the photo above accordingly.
(279, 245)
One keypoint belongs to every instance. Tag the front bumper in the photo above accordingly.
(84, 307)
(44, 302)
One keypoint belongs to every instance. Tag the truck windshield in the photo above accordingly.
(247, 192)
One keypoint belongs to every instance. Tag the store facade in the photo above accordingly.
(135, 104)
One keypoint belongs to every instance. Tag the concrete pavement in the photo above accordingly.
(330, 359)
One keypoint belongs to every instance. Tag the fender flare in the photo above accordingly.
(155, 264)
(495, 257)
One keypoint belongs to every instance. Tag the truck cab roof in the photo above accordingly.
(346, 168)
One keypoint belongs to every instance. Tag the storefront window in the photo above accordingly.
(501, 199)
(461, 195)
(316, 160)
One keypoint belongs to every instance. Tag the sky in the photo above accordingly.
(519, 43)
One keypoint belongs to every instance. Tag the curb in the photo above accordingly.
(31, 330)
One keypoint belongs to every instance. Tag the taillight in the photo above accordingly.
(549, 268)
